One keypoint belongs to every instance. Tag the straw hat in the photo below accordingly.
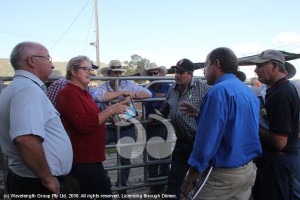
(162, 69)
(114, 65)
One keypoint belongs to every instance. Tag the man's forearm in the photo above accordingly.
(108, 96)
(32, 153)
(142, 95)
(275, 141)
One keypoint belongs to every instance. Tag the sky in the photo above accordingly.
(163, 31)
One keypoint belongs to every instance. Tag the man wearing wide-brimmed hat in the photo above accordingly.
(109, 91)
(278, 162)
(154, 128)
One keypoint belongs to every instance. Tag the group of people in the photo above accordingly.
(216, 121)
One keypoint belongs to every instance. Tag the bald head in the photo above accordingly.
(22, 51)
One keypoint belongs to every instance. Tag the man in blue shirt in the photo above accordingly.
(227, 133)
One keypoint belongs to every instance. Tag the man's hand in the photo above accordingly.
(186, 187)
(188, 109)
(52, 184)
(129, 94)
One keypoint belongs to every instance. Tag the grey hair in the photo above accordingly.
(20, 53)
(253, 81)
(74, 63)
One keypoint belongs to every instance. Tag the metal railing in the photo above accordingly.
(145, 164)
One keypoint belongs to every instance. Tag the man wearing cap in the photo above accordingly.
(154, 128)
(186, 89)
(227, 132)
(277, 163)
(289, 72)
(109, 91)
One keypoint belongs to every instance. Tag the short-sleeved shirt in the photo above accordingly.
(125, 85)
(185, 126)
(282, 105)
(25, 109)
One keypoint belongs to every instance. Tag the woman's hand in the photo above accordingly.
(118, 108)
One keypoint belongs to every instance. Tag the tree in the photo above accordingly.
(136, 64)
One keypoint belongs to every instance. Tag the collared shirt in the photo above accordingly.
(25, 109)
(227, 133)
(55, 88)
(79, 114)
(282, 105)
(125, 85)
(184, 125)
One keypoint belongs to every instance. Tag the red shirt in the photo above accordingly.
(79, 115)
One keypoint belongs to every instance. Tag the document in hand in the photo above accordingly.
(122, 119)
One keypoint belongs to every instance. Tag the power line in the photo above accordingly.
(70, 25)
(89, 30)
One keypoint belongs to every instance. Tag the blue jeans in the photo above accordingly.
(158, 130)
(295, 182)
(179, 167)
(111, 136)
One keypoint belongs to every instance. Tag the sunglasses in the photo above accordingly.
(153, 73)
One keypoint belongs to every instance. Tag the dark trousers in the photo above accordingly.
(111, 136)
(179, 167)
(295, 182)
(30, 188)
(158, 131)
(274, 172)
(92, 179)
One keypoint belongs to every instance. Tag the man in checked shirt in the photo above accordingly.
(185, 90)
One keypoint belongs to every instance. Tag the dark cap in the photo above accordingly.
(94, 66)
(184, 65)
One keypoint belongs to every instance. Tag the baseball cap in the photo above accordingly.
(184, 65)
(268, 55)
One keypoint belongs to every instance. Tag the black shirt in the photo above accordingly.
(282, 105)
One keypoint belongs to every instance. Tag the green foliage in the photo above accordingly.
(136, 64)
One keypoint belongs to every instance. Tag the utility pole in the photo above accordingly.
(97, 34)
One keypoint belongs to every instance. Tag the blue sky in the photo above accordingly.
(163, 31)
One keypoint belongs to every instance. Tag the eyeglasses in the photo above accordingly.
(46, 57)
(205, 66)
(86, 69)
(153, 73)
